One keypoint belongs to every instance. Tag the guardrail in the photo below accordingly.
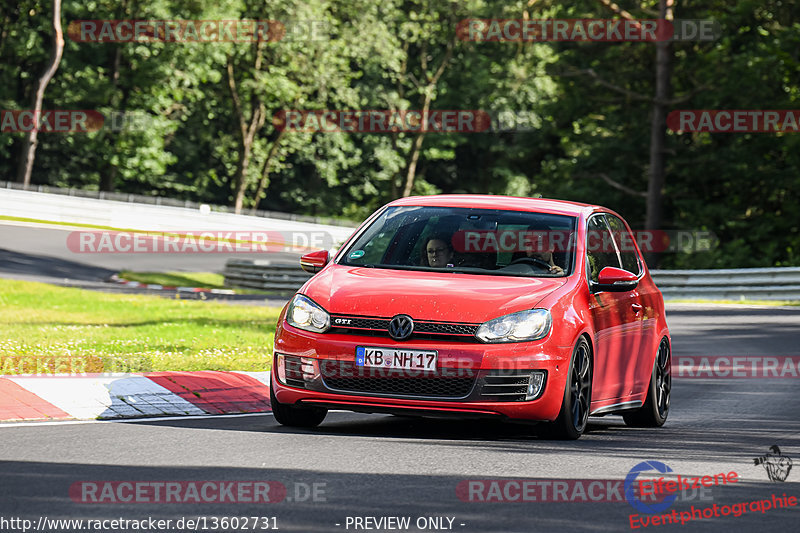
(172, 202)
(264, 275)
(730, 284)
(142, 217)
(726, 284)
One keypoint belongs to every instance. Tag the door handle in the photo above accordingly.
(636, 308)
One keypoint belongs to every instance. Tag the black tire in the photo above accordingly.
(299, 417)
(653, 413)
(574, 414)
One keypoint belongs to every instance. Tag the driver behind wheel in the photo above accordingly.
(545, 257)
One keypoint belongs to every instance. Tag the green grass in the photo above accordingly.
(204, 280)
(740, 302)
(98, 332)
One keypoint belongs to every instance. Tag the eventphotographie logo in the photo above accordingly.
(630, 486)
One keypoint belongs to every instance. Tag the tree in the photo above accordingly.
(423, 39)
(592, 128)
(28, 154)
(658, 120)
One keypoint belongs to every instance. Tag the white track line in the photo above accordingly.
(117, 421)
(41, 423)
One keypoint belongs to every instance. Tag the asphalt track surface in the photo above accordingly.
(381, 466)
(374, 465)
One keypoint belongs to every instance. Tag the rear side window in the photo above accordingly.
(601, 250)
(625, 244)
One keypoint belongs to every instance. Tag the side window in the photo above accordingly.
(601, 251)
(625, 244)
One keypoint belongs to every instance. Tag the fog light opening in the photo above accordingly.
(309, 368)
(535, 385)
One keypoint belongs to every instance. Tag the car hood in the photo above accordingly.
(425, 295)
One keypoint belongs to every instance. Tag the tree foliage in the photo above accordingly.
(577, 115)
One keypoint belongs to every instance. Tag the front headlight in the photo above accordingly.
(303, 313)
(527, 325)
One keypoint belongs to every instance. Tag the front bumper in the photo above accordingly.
(470, 381)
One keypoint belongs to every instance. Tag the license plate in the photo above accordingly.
(376, 356)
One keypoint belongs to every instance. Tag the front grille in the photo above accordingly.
(344, 376)
(354, 322)
(505, 386)
(379, 327)
(446, 328)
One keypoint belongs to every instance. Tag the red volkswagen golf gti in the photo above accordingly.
(478, 306)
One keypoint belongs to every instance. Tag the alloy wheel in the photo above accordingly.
(580, 383)
(663, 379)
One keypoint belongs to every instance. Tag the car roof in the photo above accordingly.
(490, 201)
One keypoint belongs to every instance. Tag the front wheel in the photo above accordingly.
(653, 413)
(300, 417)
(574, 414)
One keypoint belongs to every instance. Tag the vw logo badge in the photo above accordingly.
(401, 327)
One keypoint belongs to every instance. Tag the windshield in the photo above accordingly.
(474, 241)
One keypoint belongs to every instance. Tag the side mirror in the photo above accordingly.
(613, 279)
(314, 261)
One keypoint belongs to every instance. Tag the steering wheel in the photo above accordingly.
(533, 262)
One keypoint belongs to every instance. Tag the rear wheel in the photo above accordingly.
(654, 411)
(300, 417)
(571, 421)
